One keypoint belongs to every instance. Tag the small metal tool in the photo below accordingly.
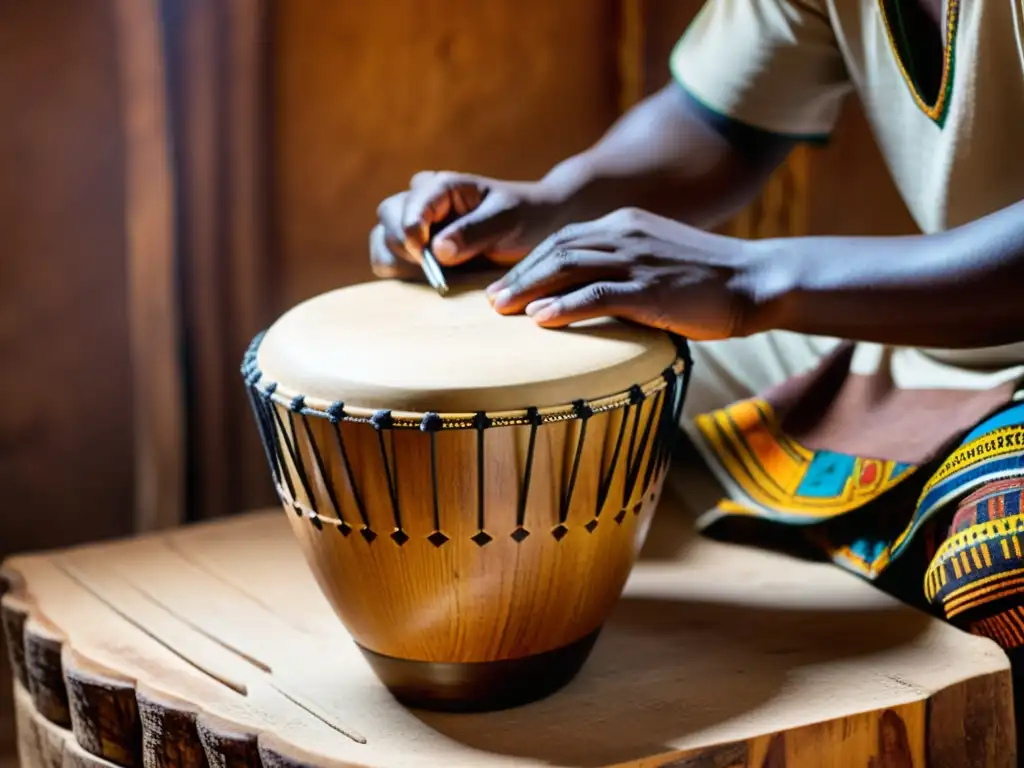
(433, 273)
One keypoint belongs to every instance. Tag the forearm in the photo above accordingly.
(957, 289)
(667, 157)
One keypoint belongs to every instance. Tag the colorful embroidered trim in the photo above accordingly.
(936, 112)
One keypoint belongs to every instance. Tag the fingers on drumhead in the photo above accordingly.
(600, 299)
(563, 270)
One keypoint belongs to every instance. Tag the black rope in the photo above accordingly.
(534, 416)
(269, 414)
(335, 414)
(261, 425)
(636, 396)
(251, 369)
(480, 423)
(278, 440)
(266, 424)
(263, 411)
(630, 451)
(687, 358)
(432, 424)
(583, 412)
(681, 386)
(673, 429)
(664, 433)
(634, 470)
(382, 422)
(324, 476)
(280, 437)
(605, 483)
(292, 441)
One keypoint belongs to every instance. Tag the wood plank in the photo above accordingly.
(965, 729)
(41, 744)
(723, 646)
(126, 677)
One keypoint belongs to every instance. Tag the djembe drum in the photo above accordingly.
(470, 490)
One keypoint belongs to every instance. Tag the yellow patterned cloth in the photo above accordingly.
(848, 505)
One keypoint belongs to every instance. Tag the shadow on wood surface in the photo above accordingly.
(664, 669)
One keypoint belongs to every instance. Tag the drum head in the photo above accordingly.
(399, 346)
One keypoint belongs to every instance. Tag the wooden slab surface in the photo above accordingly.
(213, 644)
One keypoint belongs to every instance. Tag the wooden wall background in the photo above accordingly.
(175, 173)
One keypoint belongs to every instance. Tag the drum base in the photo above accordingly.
(480, 686)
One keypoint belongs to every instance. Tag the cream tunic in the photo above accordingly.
(786, 66)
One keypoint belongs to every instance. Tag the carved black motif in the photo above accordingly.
(399, 536)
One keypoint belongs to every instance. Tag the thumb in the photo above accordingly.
(478, 231)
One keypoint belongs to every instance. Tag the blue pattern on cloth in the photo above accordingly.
(994, 450)
(989, 452)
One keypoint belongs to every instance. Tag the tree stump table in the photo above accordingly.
(212, 645)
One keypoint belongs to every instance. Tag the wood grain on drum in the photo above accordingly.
(728, 656)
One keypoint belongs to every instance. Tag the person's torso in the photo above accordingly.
(961, 155)
(956, 149)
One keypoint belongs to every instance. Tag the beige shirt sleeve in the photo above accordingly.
(771, 64)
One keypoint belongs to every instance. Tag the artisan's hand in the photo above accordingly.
(462, 216)
(636, 266)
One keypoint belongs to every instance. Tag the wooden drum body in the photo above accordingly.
(472, 526)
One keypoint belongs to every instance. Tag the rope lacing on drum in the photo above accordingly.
(280, 439)
(481, 421)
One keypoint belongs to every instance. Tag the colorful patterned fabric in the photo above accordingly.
(976, 577)
(782, 479)
(864, 512)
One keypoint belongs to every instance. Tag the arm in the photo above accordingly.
(667, 154)
(956, 289)
(671, 156)
(749, 79)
